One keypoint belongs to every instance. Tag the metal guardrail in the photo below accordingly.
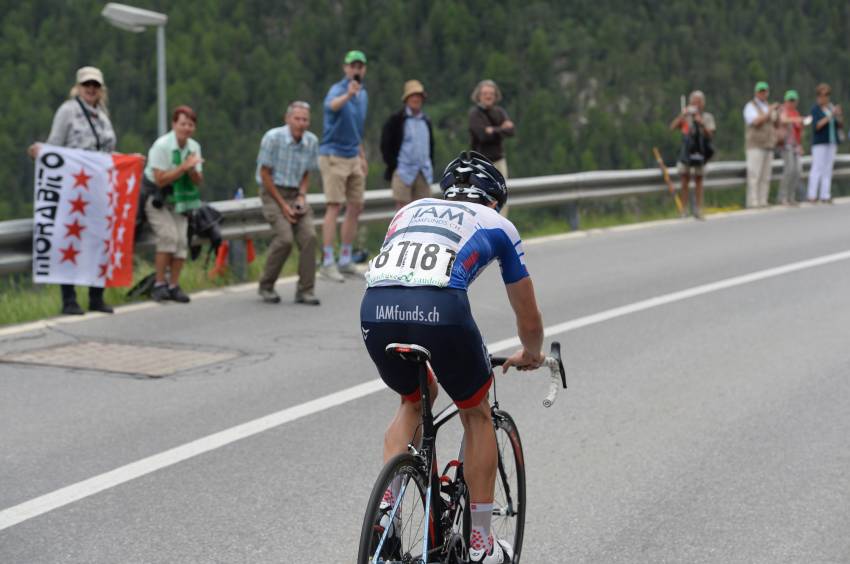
(244, 217)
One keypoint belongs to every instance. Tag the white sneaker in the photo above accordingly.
(349, 268)
(502, 554)
(331, 272)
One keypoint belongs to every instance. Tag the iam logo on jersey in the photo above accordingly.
(393, 225)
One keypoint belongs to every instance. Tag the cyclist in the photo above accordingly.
(417, 293)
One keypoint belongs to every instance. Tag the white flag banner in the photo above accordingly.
(85, 216)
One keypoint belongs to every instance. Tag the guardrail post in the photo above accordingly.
(571, 214)
(237, 257)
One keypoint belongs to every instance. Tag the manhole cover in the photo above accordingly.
(114, 357)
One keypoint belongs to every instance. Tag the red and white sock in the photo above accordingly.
(480, 537)
(392, 492)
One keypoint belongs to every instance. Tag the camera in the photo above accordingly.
(357, 78)
(691, 110)
(160, 196)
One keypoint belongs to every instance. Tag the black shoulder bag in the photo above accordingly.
(91, 124)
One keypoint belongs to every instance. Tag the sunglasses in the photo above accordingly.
(92, 83)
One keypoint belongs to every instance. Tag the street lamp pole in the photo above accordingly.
(137, 20)
(160, 79)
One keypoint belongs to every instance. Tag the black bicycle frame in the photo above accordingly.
(427, 451)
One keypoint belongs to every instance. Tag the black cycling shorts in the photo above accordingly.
(438, 319)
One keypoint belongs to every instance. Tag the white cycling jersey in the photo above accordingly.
(445, 243)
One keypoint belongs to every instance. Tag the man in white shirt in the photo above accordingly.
(760, 118)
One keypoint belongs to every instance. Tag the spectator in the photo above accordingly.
(697, 127)
(788, 137)
(827, 120)
(407, 144)
(82, 122)
(489, 124)
(175, 169)
(342, 160)
(760, 118)
(287, 155)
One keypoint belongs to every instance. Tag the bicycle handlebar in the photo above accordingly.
(557, 376)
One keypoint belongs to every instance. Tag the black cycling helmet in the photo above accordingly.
(473, 175)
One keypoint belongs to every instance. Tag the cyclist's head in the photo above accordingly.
(472, 177)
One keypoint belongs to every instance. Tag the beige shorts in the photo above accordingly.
(342, 179)
(170, 229)
(502, 166)
(691, 170)
(416, 191)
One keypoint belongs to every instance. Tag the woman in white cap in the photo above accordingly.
(82, 122)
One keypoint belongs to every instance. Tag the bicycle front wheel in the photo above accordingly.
(509, 496)
(388, 538)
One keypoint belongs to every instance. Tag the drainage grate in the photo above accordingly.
(114, 357)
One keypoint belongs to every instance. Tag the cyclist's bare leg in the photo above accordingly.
(404, 425)
(479, 456)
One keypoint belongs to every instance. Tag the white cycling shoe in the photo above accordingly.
(502, 554)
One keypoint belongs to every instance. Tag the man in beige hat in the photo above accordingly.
(407, 145)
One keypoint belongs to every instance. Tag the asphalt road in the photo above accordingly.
(703, 428)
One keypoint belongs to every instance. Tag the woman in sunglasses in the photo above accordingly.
(82, 122)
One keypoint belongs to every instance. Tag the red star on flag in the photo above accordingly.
(82, 179)
(69, 253)
(79, 205)
(107, 246)
(74, 229)
(103, 269)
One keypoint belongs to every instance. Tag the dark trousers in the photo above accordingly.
(69, 296)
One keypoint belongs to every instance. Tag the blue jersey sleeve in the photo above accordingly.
(508, 248)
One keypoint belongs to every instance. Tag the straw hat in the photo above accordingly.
(412, 87)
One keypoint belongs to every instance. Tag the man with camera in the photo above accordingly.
(342, 160)
(697, 127)
(173, 174)
(287, 155)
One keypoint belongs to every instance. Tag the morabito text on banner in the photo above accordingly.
(85, 216)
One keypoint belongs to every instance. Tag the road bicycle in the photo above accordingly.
(429, 520)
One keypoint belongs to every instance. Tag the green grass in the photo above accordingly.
(21, 300)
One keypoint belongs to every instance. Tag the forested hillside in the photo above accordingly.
(590, 84)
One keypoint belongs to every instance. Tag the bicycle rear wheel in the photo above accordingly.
(390, 539)
(509, 496)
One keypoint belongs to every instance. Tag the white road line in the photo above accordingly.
(75, 492)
